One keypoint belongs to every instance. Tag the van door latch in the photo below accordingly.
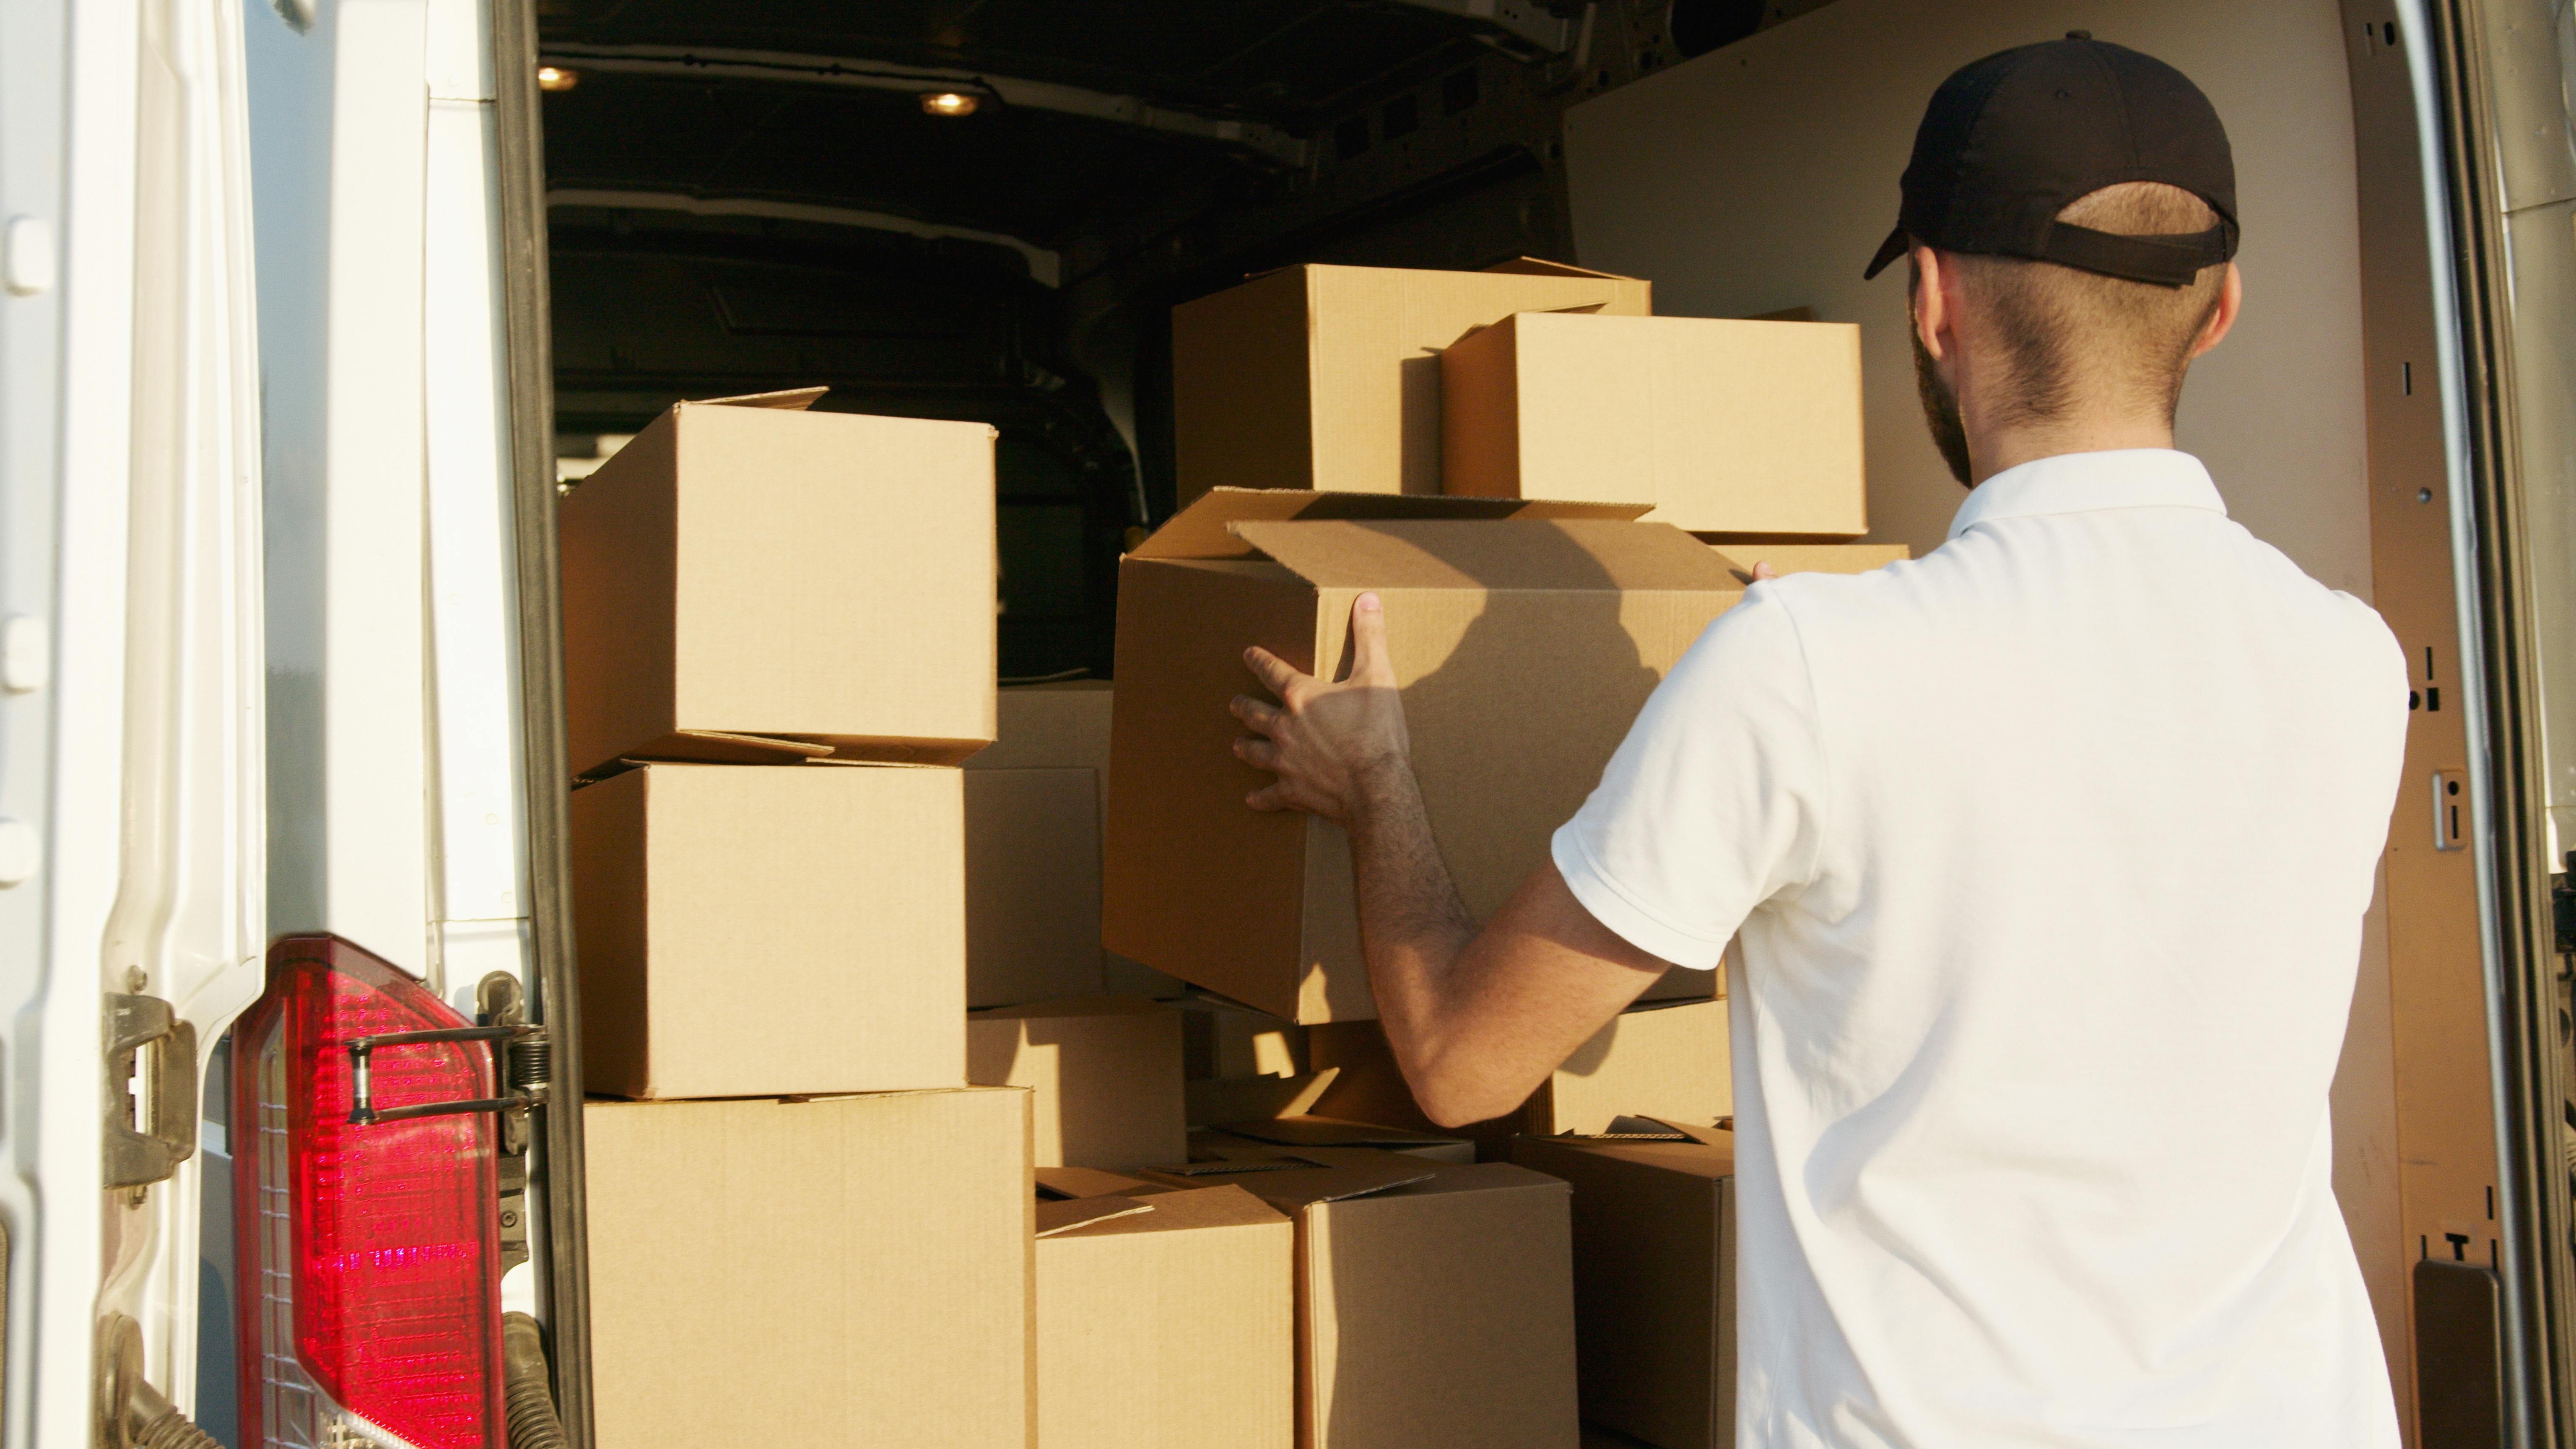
(151, 1053)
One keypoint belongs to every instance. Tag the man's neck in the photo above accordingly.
(1995, 449)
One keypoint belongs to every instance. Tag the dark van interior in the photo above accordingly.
(986, 209)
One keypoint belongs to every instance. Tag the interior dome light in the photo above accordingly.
(557, 78)
(948, 103)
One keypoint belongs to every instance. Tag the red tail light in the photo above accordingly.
(370, 1274)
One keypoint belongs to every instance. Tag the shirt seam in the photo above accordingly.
(1999, 515)
(1592, 867)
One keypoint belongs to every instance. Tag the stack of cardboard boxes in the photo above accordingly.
(892, 1142)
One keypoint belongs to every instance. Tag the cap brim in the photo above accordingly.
(1896, 245)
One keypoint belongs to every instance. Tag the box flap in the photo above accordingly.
(1201, 530)
(1541, 267)
(1068, 1007)
(1586, 554)
(1076, 1182)
(1288, 1183)
(1335, 1132)
(1242, 1099)
(1705, 1136)
(1058, 1216)
(791, 399)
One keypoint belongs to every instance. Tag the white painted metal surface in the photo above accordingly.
(128, 738)
(339, 124)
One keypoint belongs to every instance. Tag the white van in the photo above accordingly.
(285, 404)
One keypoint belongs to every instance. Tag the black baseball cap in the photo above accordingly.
(2010, 140)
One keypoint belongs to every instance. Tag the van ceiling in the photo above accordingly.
(750, 195)
(817, 101)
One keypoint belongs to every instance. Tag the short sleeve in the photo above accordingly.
(1715, 801)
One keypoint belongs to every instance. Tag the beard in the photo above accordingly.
(1940, 411)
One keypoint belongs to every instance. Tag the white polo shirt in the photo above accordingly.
(2050, 852)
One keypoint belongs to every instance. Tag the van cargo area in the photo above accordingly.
(782, 197)
(734, 904)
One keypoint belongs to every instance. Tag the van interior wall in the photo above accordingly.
(1761, 177)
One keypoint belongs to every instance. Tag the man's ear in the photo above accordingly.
(2222, 318)
(1931, 301)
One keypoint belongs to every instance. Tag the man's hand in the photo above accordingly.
(1331, 745)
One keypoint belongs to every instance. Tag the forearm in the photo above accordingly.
(1414, 926)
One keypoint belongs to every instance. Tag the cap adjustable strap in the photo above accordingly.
(2167, 261)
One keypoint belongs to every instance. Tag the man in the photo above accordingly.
(2048, 851)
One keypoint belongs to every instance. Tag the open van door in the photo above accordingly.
(131, 858)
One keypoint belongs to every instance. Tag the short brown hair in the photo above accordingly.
(2070, 333)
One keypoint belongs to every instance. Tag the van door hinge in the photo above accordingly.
(151, 1119)
(522, 1064)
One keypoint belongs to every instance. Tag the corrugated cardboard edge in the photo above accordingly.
(719, 747)
(1541, 267)
(1204, 529)
(786, 399)
(1704, 1136)
(1052, 1218)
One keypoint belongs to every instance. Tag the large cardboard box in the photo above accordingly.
(1525, 646)
(759, 932)
(1434, 1301)
(748, 581)
(1751, 427)
(1106, 1072)
(1032, 874)
(1166, 1319)
(1329, 377)
(853, 1271)
(1741, 554)
(1670, 1061)
(1654, 1282)
(1032, 885)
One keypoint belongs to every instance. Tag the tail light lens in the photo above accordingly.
(370, 1273)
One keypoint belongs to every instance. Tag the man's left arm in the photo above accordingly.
(1476, 1018)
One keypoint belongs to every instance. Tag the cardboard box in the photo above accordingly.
(1295, 1132)
(1227, 1041)
(1752, 427)
(759, 932)
(1741, 554)
(1329, 377)
(1434, 1301)
(1669, 1061)
(1032, 885)
(1166, 1319)
(853, 1271)
(1654, 1282)
(1033, 827)
(750, 582)
(1059, 726)
(1525, 646)
(1106, 1072)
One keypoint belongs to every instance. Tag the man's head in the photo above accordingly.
(2069, 215)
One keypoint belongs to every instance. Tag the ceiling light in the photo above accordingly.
(557, 78)
(948, 103)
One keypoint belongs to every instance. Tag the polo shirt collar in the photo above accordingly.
(2085, 482)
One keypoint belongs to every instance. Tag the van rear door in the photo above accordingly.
(131, 860)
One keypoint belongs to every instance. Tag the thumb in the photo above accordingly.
(1370, 663)
(1763, 570)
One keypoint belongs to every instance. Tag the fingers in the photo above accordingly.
(1369, 661)
(1269, 797)
(1259, 754)
(1271, 670)
(1257, 715)
(1762, 570)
